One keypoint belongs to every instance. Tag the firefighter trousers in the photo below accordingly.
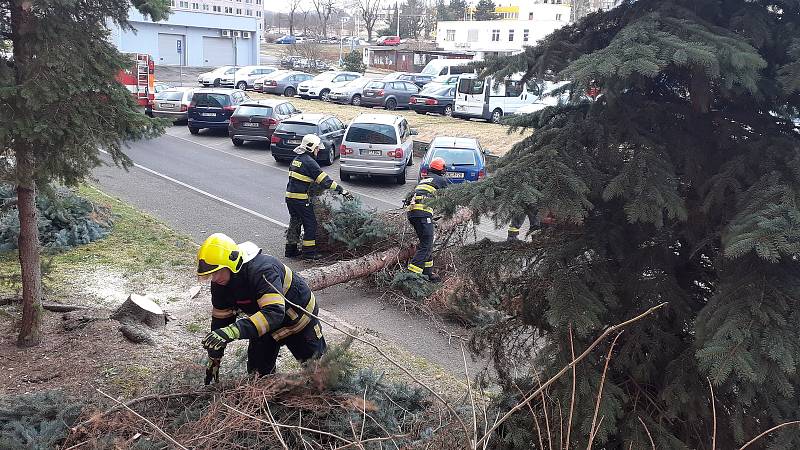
(518, 220)
(301, 214)
(422, 262)
(262, 353)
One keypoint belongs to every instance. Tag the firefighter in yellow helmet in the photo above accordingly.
(275, 300)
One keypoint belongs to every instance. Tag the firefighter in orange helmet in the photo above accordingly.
(420, 215)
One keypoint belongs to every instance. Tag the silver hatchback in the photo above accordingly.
(173, 103)
(377, 145)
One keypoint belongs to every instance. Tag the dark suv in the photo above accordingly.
(257, 120)
(212, 108)
(291, 131)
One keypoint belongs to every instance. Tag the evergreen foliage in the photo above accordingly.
(679, 184)
(484, 10)
(354, 225)
(36, 421)
(354, 62)
(66, 220)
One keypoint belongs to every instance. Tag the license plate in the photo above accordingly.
(369, 94)
(208, 114)
(249, 124)
(167, 105)
(421, 100)
(293, 142)
(375, 153)
(455, 174)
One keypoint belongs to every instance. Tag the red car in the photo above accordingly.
(389, 40)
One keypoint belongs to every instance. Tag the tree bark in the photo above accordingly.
(22, 30)
(29, 262)
(344, 271)
(139, 309)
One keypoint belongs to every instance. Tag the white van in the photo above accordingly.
(438, 67)
(480, 98)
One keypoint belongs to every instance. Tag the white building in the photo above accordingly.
(197, 33)
(523, 23)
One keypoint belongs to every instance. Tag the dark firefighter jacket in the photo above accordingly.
(303, 172)
(422, 193)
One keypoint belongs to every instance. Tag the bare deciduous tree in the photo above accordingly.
(324, 10)
(293, 5)
(369, 10)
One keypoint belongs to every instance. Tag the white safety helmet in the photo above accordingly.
(310, 144)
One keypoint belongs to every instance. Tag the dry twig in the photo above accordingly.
(714, 413)
(785, 424)
(154, 426)
(593, 429)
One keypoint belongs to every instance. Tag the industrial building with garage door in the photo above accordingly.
(195, 38)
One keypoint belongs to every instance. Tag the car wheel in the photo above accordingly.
(344, 176)
(356, 101)
(323, 95)
(448, 110)
(391, 104)
(241, 85)
(216, 82)
(237, 142)
(194, 130)
(401, 177)
(289, 92)
(329, 158)
(497, 114)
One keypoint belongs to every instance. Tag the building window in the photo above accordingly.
(472, 35)
(525, 35)
(239, 11)
(530, 16)
(172, 3)
(495, 35)
(183, 4)
(228, 10)
(258, 2)
(558, 17)
(450, 35)
(195, 6)
(205, 7)
(217, 8)
(249, 12)
(258, 14)
(511, 35)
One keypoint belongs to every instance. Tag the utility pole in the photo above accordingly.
(397, 10)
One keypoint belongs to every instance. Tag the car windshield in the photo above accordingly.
(375, 85)
(326, 76)
(371, 133)
(248, 110)
(298, 128)
(436, 90)
(169, 95)
(455, 156)
(223, 69)
(210, 100)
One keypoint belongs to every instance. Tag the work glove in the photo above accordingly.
(212, 370)
(219, 338)
(347, 195)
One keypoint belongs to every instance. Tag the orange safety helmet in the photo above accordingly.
(437, 164)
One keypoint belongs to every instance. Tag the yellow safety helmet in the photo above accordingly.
(218, 251)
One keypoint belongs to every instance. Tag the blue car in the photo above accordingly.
(465, 159)
(212, 108)
(288, 39)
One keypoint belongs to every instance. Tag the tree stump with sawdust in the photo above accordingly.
(140, 309)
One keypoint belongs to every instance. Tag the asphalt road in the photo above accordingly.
(203, 184)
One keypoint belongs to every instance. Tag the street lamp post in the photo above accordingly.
(342, 21)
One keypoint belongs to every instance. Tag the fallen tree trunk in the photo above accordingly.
(344, 271)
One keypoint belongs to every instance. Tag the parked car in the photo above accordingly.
(246, 76)
(290, 132)
(483, 98)
(157, 87)
(437, 99)
(321, 85)
(283, 82)
(172, 103)
(388, 40)
(551, 96)
(464, 158)
(311, 64)
(286, 39)
(287, 62)
(377, 145)
(389, 94)
(419, 79)
(349, 93)
(444, 80)
(214, 77)
(438, 67)
(257, 120)
(213, 107)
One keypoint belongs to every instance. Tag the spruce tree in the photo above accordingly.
(59, 106)
(484, 10)
(679, 183)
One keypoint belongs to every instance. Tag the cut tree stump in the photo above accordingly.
(344, 271)
(140, 309)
